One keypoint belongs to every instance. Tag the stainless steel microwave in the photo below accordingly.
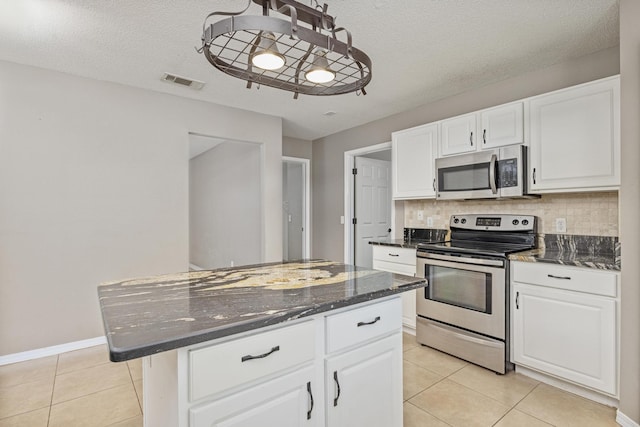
(484, 174)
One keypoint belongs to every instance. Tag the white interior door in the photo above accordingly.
(372, 186)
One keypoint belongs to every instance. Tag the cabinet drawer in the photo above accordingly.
(362, 324)
(569, 278)
(392, 267)
(394, 254)
(219, 367)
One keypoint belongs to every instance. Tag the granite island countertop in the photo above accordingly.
(149, 315)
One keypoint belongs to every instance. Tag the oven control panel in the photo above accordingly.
(493, 222)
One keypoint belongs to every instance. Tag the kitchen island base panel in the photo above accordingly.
(167, 377)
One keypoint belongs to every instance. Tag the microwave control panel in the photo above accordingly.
(507, 173)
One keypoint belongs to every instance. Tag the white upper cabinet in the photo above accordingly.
(490, 128)
(575, 138)
(458, 135)
(503, 125)
(413, 153)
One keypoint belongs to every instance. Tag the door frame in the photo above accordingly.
(349, 196)
(306, 217)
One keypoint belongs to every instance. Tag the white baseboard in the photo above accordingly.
(570, 387)
(625, 421)
(410, 329)
(50, 351)
(194, 267)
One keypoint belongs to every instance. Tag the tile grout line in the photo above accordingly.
(53, 388)
(134, 386)
(425, 411)
(527, 413)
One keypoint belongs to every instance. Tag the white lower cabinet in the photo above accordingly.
(369, 377)
(400, 261)
(287, 401)
(565, 323)
(284, 376)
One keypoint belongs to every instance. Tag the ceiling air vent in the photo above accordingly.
(184, 81)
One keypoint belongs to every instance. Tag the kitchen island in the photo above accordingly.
(309, 343)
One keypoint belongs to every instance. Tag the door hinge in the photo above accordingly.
(354, 221)
(354, 171)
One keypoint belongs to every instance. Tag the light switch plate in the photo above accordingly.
(420, 215)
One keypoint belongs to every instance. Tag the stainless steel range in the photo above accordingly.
(464, 309)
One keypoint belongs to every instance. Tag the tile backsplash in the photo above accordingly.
(594, 214)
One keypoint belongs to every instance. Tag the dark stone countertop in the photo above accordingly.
(154, 314)
(577, 259)
(412, 237)
(398, 243)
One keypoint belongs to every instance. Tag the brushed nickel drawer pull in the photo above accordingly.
(369, 323)
(394, 254)
(261, 356)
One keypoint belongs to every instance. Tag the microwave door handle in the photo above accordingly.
(492, 174)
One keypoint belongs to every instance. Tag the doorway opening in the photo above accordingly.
(225, 203)
(296, 234)
(370, 213)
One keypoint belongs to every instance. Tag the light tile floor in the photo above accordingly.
(83, 389)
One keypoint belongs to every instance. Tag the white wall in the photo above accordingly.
(629, 208)
(94, 187)
(225, 206)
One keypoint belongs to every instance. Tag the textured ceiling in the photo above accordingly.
(422, 50)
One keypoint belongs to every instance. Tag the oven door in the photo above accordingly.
(467, 176)
(468, 293)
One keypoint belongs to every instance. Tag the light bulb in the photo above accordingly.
(319, 72)
(267, 55)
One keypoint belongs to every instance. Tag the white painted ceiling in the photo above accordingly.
(422, 50)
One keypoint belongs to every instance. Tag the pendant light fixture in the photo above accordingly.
(299, 49)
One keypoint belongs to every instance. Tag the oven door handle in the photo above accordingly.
(467, 337)
(492, 174)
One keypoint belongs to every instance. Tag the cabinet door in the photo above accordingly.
(567, 334)
(575, 138)
(501, 126)
(284, 402)
(458, 135)
(413, 153)
(364, 386)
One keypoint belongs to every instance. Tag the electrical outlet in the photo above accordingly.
(429, 221)
(561, 225)
(420, 215)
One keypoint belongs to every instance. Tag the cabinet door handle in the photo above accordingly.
(261, 356)
(484, 136)
(534, 175)
(310, 397)
(434, 184)
(369, 323)
(335, 379)
(394, 254)
(559, 277)
(517, 300)
(471, 139)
